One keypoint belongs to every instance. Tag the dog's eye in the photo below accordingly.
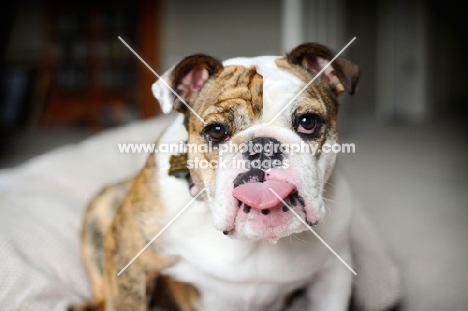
(306, 124)
(216, 133)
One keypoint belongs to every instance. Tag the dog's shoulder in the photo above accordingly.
(100, 212)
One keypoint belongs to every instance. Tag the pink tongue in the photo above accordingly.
(259, 196)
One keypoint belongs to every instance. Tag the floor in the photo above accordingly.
(414, 182)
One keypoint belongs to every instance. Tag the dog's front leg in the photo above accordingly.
(331, 290)
(127, 291)
(135, 223)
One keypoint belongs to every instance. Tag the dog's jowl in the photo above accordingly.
(252, 143)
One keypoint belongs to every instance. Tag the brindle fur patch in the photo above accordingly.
(319, 98)
(234, 98)
(119, 223)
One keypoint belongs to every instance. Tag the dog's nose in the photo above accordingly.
(264, 153)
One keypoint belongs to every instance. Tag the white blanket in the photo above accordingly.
(42, 204)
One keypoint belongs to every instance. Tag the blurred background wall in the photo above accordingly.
(63, 67)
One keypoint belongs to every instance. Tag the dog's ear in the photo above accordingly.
(187, 78)
(341, 74)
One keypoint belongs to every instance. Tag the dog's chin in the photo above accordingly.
(272, 224)
(276, 225)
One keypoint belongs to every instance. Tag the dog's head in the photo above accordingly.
(266, 132)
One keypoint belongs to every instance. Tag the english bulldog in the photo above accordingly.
(227, 223)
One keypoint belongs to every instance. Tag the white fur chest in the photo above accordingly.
(239, 274)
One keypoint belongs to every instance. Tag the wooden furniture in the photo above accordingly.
(88, 76)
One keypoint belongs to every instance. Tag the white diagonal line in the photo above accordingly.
(164, 82)
(162, 230)
(313, 231)
(311, 81)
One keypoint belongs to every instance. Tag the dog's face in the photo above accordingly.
(260, 124)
